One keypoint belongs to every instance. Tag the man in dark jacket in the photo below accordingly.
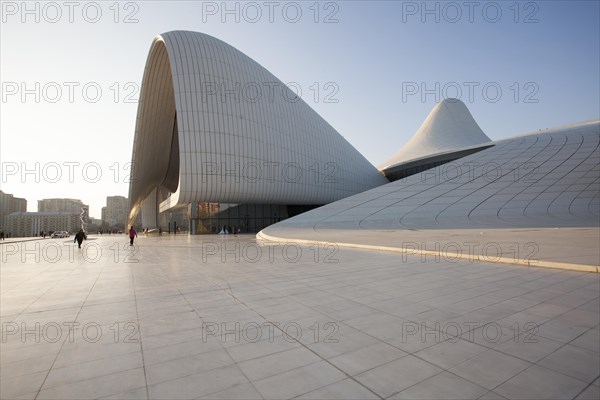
(79, 237)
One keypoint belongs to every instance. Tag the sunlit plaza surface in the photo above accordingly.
(226, 317)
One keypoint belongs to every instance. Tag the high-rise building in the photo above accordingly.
(8, 205)
(115, 212)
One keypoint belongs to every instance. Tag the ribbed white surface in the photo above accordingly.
(246, 151)
(449, 126)
(549, 179)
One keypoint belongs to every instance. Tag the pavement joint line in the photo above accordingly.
(579, 281)
(303, 345)
(468, 257)
(137, 316)
(23, 240)
(65, 340)
(229, 292)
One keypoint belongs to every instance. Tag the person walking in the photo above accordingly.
(132, 235)
(79, 237)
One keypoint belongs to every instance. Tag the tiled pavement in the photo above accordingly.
(203, 317)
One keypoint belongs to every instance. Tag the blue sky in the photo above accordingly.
(539, 62)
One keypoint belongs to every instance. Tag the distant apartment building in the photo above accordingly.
(8, 205)
(26, 224)
(95, 221)
(116, 211)
(64, 205)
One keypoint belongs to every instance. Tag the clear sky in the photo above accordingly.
(71, 72)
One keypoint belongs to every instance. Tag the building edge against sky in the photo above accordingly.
(545, 179)
(202, 145)
(448, 127)
(214, 126)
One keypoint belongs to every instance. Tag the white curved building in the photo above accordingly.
(215, 126)
(542, 179)
(448, 127)
(531, 200)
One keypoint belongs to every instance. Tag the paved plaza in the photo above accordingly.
(225, 317)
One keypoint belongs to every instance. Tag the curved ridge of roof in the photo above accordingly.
(200, 136)
(449, 126)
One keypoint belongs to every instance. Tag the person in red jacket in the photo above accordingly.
(132, 235)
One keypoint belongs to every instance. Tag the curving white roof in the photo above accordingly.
(449, 126)
(547, 179)
(213, 125)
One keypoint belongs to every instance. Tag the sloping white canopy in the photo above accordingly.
(448, 127)
(542, 179)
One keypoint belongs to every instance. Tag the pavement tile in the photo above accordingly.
(443, 386)
(394, 327)
(397, 375)
(298, 381)
(574, 361)
(540, 383)
(490, 368)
